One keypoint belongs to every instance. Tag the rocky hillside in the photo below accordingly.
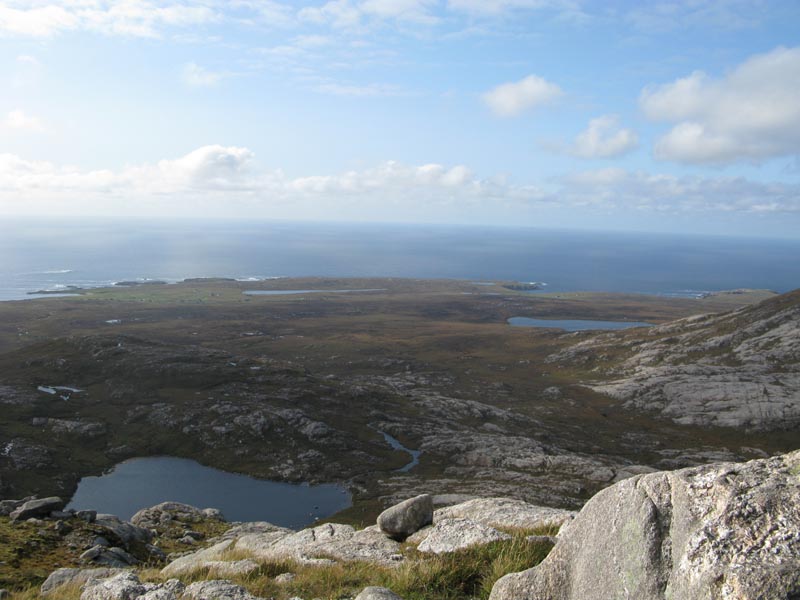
(727, 531)
(737, 369)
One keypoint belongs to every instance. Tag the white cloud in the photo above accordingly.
(604, 138)
(225, 180)
(195, 75)
(138, 18)
(752, 113)
(499, 7)
(348, 14)
(512, 99)
(418, 11)
(618, 189)
(17, 119)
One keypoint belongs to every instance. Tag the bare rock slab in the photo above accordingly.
(721, 531)
(506, 512)
(401, 520)
(217, 590)
(450, 535)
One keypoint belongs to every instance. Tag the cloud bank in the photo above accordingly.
(227, 177)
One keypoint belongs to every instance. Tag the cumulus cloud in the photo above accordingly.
(139, 18)
(751, 114)
(512, 99)
(604, 138)
(17, 119)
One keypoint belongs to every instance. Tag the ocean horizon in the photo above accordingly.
(41, 254)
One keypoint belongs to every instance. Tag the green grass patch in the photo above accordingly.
(467, 574)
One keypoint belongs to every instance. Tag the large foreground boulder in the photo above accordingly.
(724, 531)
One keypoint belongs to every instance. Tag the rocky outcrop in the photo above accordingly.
(37, 508)
(67, 576)
(127, 586)
(451, 535)
(508, 513)
(166, 513)
(319, 545)
(217, 590)
(739, 369)
(724, 531)
(408, 517)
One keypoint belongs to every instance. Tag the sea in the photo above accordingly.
(50, 254)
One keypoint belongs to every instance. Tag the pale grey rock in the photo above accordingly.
(66, 576)
(506, 512)
(716, 532)
(252, 527)
(418, 537)
(401, 520)
(231, 568)
(285, 578)
(216, 590)
(166, 512)
(123, 586)
(377, 593)
(739, 369)
(170, 590)
(320, 545)
(450, 535)
(196, 560)
(37, 508)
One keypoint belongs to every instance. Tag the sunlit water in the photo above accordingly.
(41, 254)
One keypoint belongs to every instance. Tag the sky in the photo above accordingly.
(574, 114)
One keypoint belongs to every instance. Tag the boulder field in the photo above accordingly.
(721, 531)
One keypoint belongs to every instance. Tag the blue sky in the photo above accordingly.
(646, 116)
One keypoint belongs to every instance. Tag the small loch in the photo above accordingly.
(143, 482)
(575, 324)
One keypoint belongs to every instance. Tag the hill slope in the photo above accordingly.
(737, 369)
